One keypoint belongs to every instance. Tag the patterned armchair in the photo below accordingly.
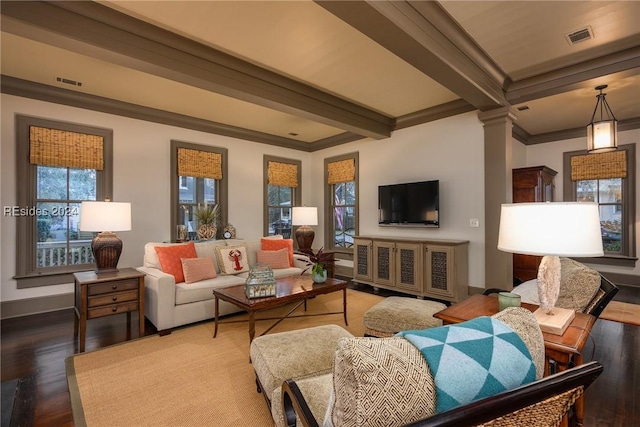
(475, 374)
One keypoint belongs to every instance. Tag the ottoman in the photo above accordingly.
(294, 354)
(395, 314)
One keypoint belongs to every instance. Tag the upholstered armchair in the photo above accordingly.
(488, 370)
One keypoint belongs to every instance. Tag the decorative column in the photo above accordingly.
(498, 163)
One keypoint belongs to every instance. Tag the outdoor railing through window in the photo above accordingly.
(53, 254)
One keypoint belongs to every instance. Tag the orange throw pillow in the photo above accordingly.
(171, 258)
(274, 245)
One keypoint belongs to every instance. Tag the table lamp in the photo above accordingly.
(304, 217)
(105, 218)
(551, 229)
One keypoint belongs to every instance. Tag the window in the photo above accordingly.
(341, 200)
(197, 174)
(60, 165)
(282, 191)
(609, 180)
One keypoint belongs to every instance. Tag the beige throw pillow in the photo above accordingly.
(380, 382)
(233, 260)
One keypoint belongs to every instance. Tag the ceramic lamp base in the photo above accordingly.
(106, 248)
(304, 237)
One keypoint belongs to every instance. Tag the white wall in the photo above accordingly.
(550, 154)
(450, 150)
(142, 177)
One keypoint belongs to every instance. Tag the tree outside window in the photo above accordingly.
(59, 194)
(344, 210)
(279, 200)
(608, 194)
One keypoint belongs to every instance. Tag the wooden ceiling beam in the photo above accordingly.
(99, 30)
(423, 35)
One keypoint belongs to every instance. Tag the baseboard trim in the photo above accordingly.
(28, 306)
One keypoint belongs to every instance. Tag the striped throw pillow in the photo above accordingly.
(196, 269)
(274, 259)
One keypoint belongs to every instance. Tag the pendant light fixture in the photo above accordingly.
(602, 132)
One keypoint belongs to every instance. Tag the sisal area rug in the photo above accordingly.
(188, 378)
(622, 312)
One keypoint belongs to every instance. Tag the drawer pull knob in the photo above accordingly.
(114, 287)
(114, 309)
(115, 298)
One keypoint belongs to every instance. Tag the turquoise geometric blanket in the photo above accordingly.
(473, 360)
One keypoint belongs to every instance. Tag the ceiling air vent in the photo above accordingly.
(68, 81)
(581, 35)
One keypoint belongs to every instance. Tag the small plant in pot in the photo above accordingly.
(209, 219)
(318, 263)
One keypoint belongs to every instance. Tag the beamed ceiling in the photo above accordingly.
(309, 75)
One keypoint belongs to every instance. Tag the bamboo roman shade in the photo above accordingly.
(200, 164)
(283, 174)
(341, 171)
(54, 147)
(599, 166)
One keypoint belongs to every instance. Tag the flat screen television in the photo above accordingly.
(409, 204)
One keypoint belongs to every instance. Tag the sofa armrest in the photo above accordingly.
(160, 297)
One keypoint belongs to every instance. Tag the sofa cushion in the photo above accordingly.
(233, 259)
(196, 269)
(274, 259)
(170, 258)
(203, 290)
(380, 382)
(275, 244)
(207, 249)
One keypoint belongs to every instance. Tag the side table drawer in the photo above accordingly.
(113, 298)
(108, 310)
(117, 286)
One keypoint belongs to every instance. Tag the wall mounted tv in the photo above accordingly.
(410, 204)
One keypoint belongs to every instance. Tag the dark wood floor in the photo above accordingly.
(34, 349)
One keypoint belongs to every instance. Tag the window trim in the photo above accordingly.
(628, 258)
(27, 275)
(342, 253)
(174, 178)
(297, 191)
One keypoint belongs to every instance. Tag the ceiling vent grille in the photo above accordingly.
(580, 35)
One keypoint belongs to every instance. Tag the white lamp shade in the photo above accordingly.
(560, 229)
(303, 215)
(105, 216)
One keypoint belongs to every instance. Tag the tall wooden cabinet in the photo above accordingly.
(532, 184)
(425, 268)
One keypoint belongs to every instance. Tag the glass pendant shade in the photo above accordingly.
(602, 132)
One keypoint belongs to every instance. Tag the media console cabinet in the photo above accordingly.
(424, 268)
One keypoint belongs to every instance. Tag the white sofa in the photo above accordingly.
(168, 305)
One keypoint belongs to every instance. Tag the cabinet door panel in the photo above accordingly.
(439, 272)
(383, 265)
(362, 262)
(408, 266)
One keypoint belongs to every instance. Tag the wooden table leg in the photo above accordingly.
(344, 305)
(252, 326)
(559, 368)
(215, 322)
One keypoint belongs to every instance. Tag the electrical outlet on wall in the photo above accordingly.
(474, 223)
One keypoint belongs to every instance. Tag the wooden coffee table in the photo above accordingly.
(290, 290)
(561, 349)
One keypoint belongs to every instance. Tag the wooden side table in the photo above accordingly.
(100, 295)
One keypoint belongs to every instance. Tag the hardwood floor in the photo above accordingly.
(34, 349)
